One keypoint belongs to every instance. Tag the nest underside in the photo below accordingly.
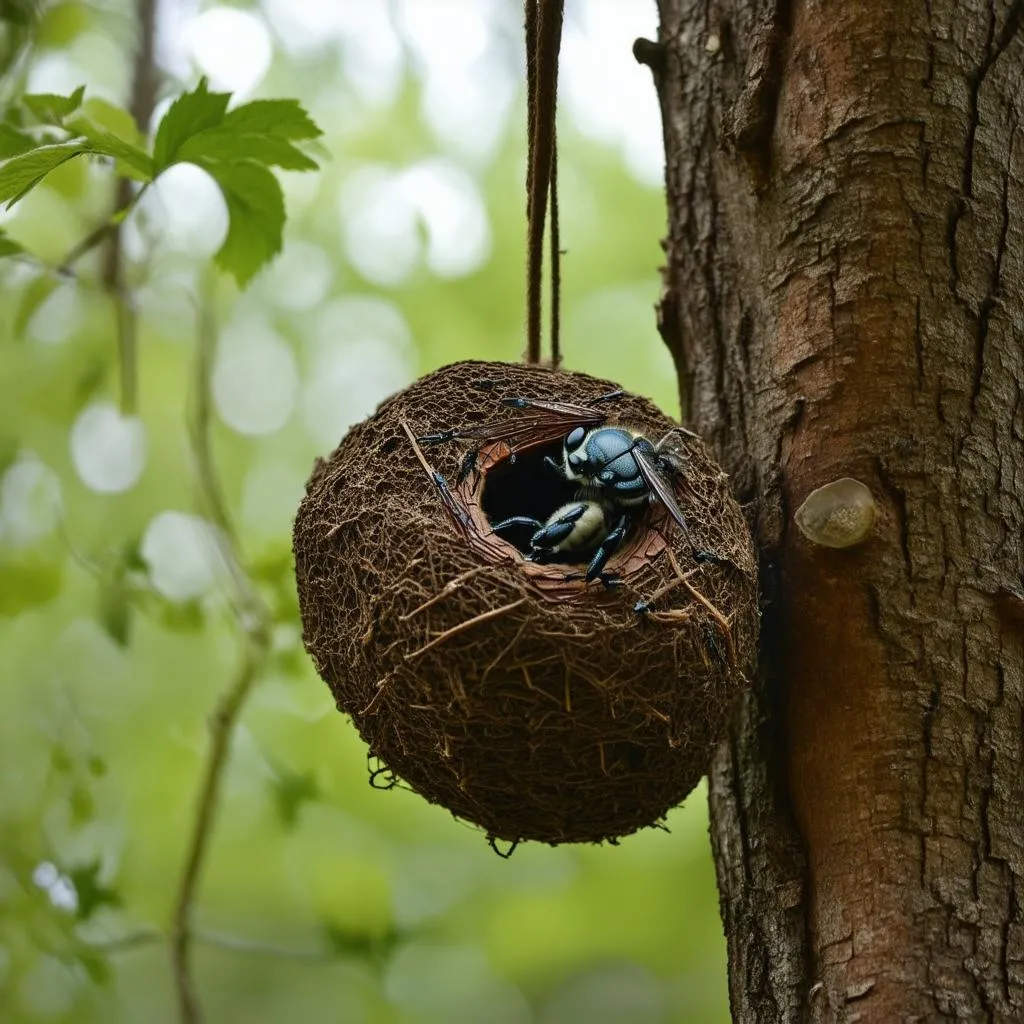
(535, 707)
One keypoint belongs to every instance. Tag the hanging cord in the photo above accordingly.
(543, 24)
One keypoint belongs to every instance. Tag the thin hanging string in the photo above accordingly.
(543, 25)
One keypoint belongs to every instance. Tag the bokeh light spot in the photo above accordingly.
(108, 449)
(254, 379)
(232, 47)
(30, 501)
(181, 552)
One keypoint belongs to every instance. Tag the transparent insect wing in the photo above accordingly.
(660, 487)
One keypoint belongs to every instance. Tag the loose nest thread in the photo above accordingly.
(536, 708)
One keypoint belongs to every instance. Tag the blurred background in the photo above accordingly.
(322, 899)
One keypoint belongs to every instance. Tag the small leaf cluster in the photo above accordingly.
(237, 147)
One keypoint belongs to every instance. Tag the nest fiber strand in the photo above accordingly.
(536, 707)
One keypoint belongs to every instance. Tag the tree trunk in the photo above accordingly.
(844, 299)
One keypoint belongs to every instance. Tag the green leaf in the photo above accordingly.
(283, 119)
(92, 894)
(255, 217)
(139, 164)
(49, 108)
(113, 132)
(13, 142)
(226, 145)
(190, 113)
(9, 247)
(21, 174)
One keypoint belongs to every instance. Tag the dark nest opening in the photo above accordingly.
(525, 485)
(535, 707)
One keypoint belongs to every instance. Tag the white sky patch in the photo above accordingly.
(384, 213)
(299, 278)
(108, 449)
(30, 501)
(361, 352)
(181, 552)
(610, 96)
(232, 47)
(450, 205)
(58, 317)
(254, 378)
(378, 225)
(183, 211)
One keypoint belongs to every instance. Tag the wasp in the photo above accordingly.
(616, 471)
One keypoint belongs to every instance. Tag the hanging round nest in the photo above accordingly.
(536, 706)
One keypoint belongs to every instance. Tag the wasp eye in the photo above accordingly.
(575, 439)
(607, 476)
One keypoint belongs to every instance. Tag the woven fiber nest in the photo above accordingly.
(534, 706)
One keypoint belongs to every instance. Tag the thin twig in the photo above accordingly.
(723, 622)
(254, 621)
(143, 100)
(494, 613)
(449, 588)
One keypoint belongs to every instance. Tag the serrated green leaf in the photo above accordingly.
(108, 144)
(283, 119)
(92, 893)
(226, 145)
(13, 142)
(190, 113)
(49, 108)
(37, 292)
(255, 217)
(8, 246)
(115, 119)
(22, 173)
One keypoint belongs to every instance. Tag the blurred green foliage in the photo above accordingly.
(322, 898)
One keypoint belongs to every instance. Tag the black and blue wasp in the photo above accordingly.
(616, 472)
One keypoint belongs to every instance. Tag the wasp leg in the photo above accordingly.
(608, 546)
(534, 524)
(442, 437)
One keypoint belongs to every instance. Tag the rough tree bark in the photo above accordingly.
(844, 298)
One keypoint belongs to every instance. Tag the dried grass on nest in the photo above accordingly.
(536, 708)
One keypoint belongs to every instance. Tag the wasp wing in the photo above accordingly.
(661, 488)
(541, 423)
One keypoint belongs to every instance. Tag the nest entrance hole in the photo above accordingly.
(524, 484)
